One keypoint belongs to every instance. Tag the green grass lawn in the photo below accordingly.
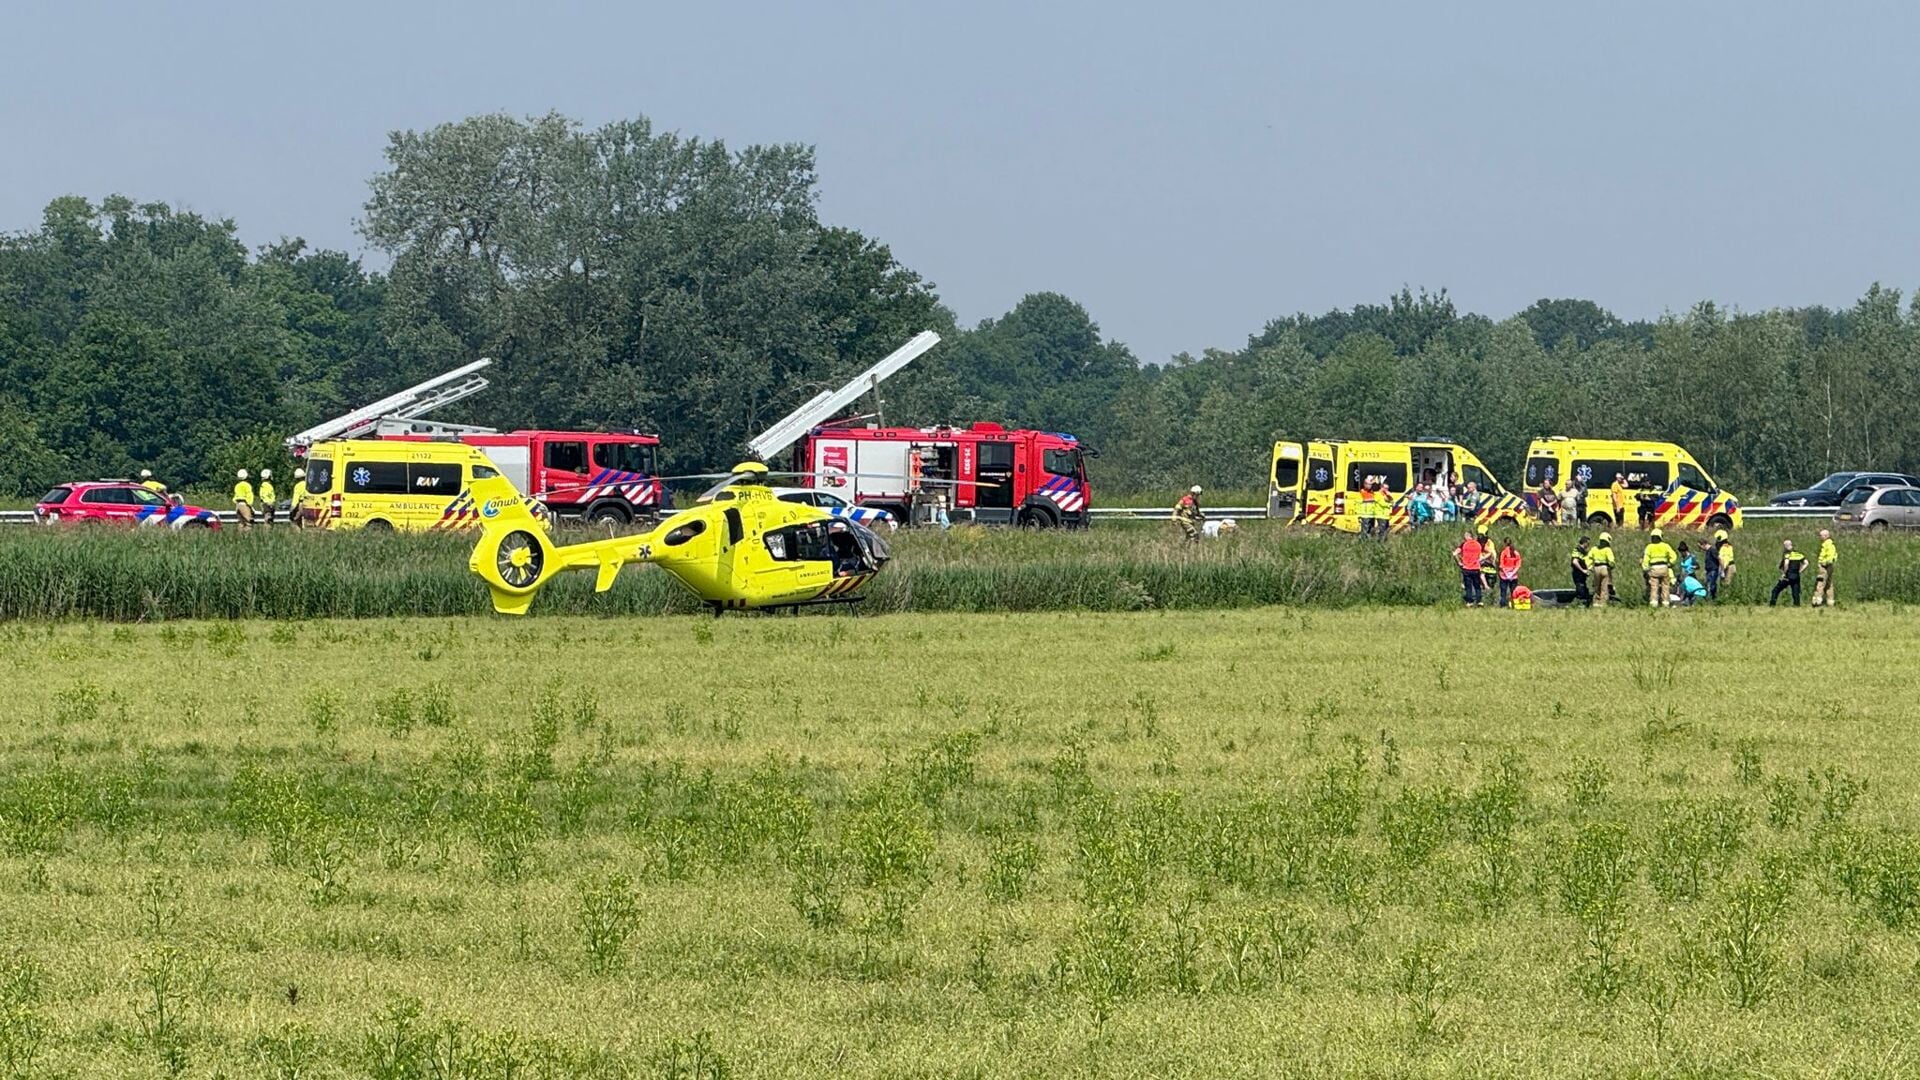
(1248, 843)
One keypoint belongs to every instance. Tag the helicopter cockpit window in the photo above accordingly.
(680, 535)
(851, 548)
(797, 543)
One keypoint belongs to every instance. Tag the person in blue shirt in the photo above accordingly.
(1419, 508)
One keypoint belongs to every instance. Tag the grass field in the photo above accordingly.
(1248, 843)
(143, 575)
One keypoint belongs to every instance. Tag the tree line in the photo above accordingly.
(628, 278)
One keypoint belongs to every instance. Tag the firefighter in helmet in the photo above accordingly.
(1657, 561)
(1188, 515)
(299, 496)
(147, 481)
(243, 498)
(266, 495)
(1600, 563)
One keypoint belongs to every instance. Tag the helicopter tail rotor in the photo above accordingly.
(513, 556)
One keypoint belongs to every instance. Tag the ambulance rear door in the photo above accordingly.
(1320, 482)
(1287, 483)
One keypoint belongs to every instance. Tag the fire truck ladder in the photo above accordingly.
(827, 403)
(399, 413)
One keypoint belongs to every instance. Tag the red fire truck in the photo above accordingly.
(599, 476)
(1006, 477)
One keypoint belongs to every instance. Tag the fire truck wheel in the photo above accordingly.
(1037, 518)
(609, 513)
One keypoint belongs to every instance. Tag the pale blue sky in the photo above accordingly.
(1186, 171)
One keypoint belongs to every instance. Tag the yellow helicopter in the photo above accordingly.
(747, 551)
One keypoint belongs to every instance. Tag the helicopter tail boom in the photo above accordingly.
(515, 556)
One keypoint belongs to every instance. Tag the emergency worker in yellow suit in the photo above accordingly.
(243, 499)
(1823, 577)
(1600, 570)
(1657, 561)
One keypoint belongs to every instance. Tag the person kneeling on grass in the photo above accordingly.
(1691, 591)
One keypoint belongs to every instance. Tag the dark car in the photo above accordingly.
(1835, 488)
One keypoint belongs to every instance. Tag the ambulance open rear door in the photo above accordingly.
(1287, 482)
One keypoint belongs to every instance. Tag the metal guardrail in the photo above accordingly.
(1787, 511)
(1163, 513)
(1156, 513)
(25, 517)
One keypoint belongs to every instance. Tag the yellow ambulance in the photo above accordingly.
(1317, 483)
(1680, 491)
(387, 484)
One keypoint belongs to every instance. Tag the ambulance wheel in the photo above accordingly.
(609, 513)
(1037, 518)
(380, 525)
(1719, 521)
(1600, 519)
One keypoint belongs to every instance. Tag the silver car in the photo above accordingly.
(1880, 508)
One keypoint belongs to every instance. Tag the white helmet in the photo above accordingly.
(266, 474)
(242, 474)
(146, 474)
(299, 474)
(1195, 489)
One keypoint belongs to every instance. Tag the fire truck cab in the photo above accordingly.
(992, 475)
(599, 476)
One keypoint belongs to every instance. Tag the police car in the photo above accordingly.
(870, 516)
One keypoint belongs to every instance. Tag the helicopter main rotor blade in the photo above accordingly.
(835, 474)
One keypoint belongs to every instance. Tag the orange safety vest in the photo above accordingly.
(1510, 564)
(1470, 555)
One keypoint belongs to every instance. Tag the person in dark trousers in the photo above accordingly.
(1467, 555)
(1791, 563)
(1712, 561)
(1580, 563)
(1649, 500)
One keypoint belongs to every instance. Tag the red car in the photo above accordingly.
(119, 501)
